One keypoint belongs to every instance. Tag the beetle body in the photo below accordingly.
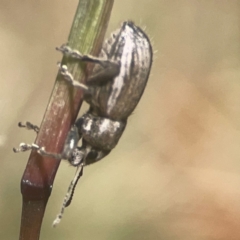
(130, 48)
(113, 91)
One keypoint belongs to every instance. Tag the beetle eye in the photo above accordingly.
(77, 156)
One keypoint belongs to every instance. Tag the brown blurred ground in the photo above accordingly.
(176, 172)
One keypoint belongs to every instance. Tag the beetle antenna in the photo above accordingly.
(69, 195)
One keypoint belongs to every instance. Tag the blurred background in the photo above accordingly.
(175, 173)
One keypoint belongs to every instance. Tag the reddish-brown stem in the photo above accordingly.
(86, 35)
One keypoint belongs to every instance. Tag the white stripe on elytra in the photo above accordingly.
(125, 61)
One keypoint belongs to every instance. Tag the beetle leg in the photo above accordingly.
(104, 73)
(23, 147)
(29, 126)
(69, 149)
(109, 69)
(77, 55)
(69, 77)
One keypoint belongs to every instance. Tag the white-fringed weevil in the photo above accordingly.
(112, 91)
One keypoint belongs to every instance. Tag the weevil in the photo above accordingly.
(112, 91)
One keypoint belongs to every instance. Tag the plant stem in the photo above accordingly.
(87, 32)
